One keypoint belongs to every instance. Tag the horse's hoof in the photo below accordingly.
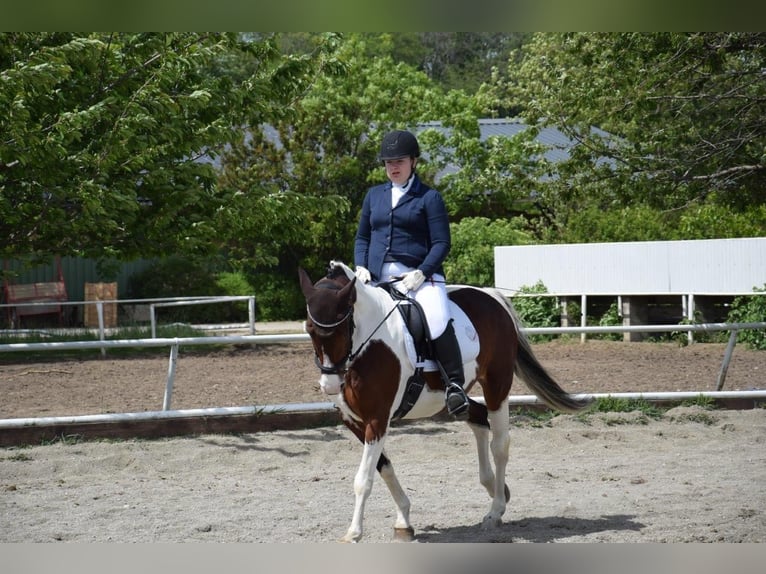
(404, 534)
(491, 522)
(349, 538)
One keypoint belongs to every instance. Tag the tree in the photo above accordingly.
(681, 121)
(108, 140)
(297, 185)
(452, 60)
(472, 257)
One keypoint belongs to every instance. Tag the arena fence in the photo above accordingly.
(176, 343)
(169, 422)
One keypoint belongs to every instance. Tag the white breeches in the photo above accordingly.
(432, 296)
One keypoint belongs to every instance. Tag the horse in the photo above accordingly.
(365, 356)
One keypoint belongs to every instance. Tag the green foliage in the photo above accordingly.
(183, 277)
(620, 405)
(296, 186)
(496, 177)
(595, 223)
(750, 309)
(610, 318)
(711, 221)
(705, 402)
(537, 311)
(101, 133)
(663, 105)
(235, 283)
(472, 257)
(279, 298)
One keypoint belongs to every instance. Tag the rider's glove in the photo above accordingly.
(362, 274)
(413, 280)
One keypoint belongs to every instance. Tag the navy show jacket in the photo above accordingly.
(416, 232)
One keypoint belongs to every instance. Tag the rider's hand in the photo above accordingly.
(363, 274)
(413, 280)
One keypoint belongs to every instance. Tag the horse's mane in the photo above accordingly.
(336, 271)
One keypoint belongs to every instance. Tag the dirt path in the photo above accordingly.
(692, 476)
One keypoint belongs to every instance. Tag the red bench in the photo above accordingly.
(53, 292)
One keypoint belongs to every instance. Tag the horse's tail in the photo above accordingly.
(539, 381)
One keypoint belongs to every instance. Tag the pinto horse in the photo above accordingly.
(363, 352)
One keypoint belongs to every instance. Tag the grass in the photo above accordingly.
(18, 457)
(124, 333)
(534, 417)
(646, 411)
(618, 405)
(707, 403)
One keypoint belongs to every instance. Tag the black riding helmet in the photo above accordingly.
(397, 144)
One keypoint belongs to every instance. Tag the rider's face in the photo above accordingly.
(399, 170)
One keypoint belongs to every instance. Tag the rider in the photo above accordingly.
(404, 231)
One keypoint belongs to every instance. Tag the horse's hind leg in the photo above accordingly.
(479, 424)
(498, 443)
(403, 531)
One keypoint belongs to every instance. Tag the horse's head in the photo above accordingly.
(330, 323)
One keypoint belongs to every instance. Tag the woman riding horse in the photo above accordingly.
(404, 232)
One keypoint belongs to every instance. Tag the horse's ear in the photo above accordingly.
(348, 293)
(306, 285)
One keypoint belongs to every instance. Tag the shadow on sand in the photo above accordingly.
(532, 529)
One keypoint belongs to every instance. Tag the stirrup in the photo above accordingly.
(457, 401)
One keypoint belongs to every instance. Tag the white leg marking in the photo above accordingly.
(499, 445)
(362, 488)
(397, 493)
(486, 474)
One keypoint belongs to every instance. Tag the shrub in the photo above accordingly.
(609, 319)
(181, 277)
(537, 311)
(472, 257)
(750, 309)
(279, 298)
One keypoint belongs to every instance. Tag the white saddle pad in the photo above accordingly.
(467, 338)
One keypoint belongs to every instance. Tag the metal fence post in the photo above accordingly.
(171, 377)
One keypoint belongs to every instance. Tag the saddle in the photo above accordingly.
(415, 322)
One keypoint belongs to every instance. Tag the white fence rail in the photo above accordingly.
(153, 304)
(175, 343)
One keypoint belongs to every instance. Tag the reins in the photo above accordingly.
(353, 355)
(336, 368)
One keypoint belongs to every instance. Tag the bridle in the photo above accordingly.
(340, 368)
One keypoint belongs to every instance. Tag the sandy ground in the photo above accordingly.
(692, 475)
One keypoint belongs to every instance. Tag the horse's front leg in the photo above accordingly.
(362, 488)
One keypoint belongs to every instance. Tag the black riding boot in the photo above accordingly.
(448, 355)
